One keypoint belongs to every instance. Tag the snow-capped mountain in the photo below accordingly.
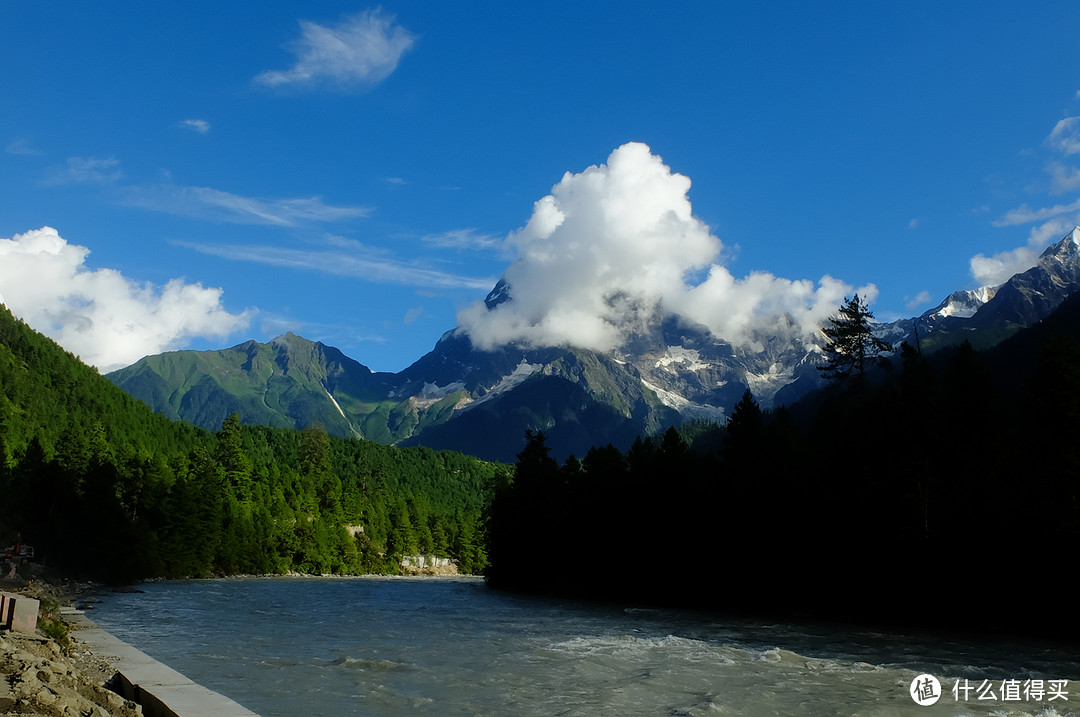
(458, 396)
(962, 304)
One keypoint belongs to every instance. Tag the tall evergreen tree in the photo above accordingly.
(850, 345)
(233, 458)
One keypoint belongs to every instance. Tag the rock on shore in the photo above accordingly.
(40, 679)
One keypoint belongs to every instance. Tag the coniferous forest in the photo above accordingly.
(940, 490)
(104, 488)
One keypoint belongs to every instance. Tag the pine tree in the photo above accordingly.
(746, 421)
(850, 345)
(230, 454)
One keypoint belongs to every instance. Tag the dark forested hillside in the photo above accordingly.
(103, 487)
(943, 491)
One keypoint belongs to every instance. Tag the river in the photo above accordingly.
(315, 647)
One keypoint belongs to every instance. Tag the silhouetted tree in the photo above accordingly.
(850, 345)
(535, 468)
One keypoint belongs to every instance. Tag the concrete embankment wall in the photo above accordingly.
(18, 612)
(161, 690)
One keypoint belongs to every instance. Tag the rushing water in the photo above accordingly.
(308, 647)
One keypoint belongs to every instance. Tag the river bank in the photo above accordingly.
(54, 675)
(84, 671)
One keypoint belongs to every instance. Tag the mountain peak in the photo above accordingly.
(291, 344)
(288, 338)
(1065, 248)
(498, 295)
(962, 304)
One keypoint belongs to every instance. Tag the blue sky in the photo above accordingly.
(361, 174)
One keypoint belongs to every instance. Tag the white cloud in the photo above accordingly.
(920, 299)
(1065, 137)
(87, 170)
(1062, 179)
(202, 202)
(1026, 215)
(357, 263)
(612, 246)
(215, 204)
(997, 269)
(413, 314)
(363, 50)
(195, 125)
(106, 318)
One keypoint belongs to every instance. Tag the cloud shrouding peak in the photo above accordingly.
(612, 246)
(363, 50)
(107, 319)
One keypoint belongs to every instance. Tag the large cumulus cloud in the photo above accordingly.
(107, 319)
(614, 245)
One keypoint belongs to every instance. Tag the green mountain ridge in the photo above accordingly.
(293, 382)
(289, 382)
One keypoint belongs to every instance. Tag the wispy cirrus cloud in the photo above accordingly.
(86, 170)
(214, 204)
(1026, 215)
(195, 125)
(202, 202)
(1065, 137)
(351, 260)
(920, 299)
(22, 146)
(362, 50)
(462, 239)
